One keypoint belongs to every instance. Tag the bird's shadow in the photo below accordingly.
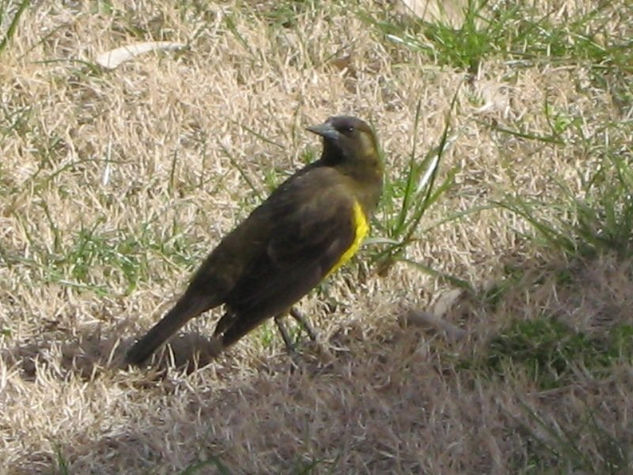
(273, 382)
(87, 353)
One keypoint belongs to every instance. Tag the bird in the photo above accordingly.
(303, 232)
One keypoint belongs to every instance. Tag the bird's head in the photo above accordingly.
(347, 141)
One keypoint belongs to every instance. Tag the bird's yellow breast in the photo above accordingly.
(361, 228)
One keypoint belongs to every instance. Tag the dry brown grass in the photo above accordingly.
(115, 184)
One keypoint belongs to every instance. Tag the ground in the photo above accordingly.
(497, 341)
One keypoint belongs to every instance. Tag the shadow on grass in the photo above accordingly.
(378, 397)
(88, 353)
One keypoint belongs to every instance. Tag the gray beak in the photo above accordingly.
(325, 130)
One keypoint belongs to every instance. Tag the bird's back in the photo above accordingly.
(283, 249)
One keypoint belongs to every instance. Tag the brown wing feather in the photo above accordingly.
(312, 229)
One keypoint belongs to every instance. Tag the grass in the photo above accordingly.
(9, 20)
(410, 196)
(562, 449)
(515, 31)
(553, 354)
(597, 218)
(505, 128)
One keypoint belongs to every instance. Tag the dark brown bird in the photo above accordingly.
(307, 228)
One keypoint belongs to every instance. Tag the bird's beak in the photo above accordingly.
(325, 130)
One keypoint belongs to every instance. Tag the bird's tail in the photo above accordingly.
(188, 307)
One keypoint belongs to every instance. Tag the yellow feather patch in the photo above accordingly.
(361, 229)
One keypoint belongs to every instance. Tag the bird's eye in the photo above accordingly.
(348, 130)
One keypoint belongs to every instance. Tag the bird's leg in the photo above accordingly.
(301, 318)
(284, 333)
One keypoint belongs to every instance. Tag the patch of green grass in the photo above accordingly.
(561, 447)
(405, 201)
(598, 220)
(464, 47)
(14, 119)
(97, 258)
(91, 249)
(551, 353)
(284, 14)
(203, 467)
(492, 296)
(513, 31)
(266, 333)
(10, 13)
(621, 342)
(307, 467)
(102, 7)
(18, 118)
(62, 466)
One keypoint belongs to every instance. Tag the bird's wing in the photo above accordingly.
(313, 227)
(315, 234)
